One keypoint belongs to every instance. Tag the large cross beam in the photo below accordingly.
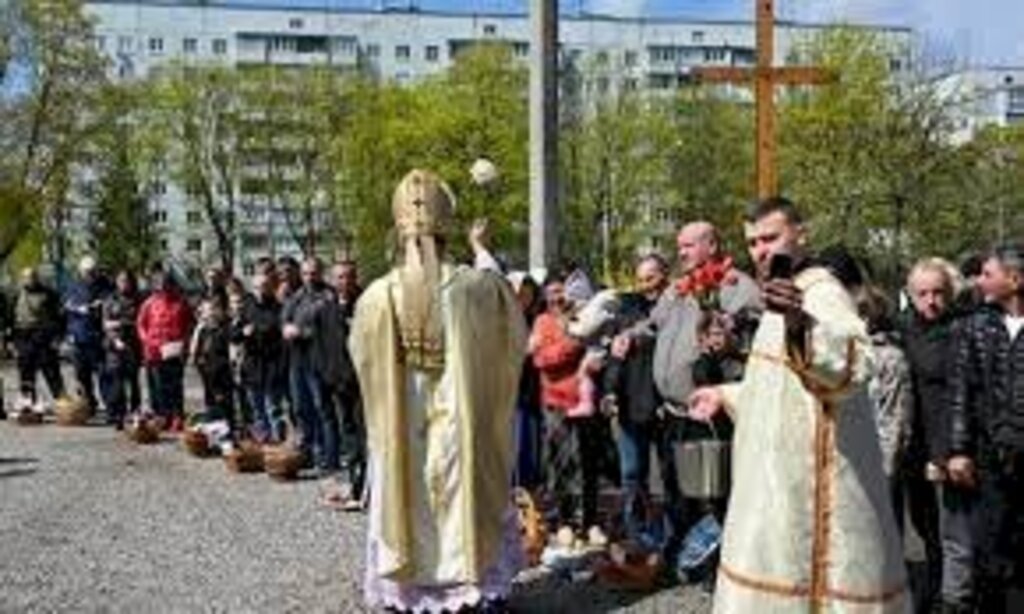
(765, 77)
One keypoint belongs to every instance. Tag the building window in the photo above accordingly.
(630, 85)
(1015, 101)
(629, 58)
(295, 24)
(348, 46)
(402, 52)
(190, 45)
(220, 46)
(124, 44)
(490, 29)
(159, 216)
(194, 218)
(662, 54)
(895, 65)
(660, 82)
(714, 55)
(521, 50)
(194, 245)
(602, 57)
(432, 53)
(373, 50)
(1008, 79)
(100, 42)
(697, 36)
(156, 45)
(164, 246)
(602, 85)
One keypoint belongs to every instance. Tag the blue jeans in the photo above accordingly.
(88, 364)
(634, 444)
(318, 424)
(265, 403)
(528, 425)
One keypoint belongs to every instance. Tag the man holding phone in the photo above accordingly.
(810, 526)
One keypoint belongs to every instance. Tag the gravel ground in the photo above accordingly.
(90, 522)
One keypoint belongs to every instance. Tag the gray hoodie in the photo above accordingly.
(674, 323)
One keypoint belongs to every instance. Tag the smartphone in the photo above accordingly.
(780, 267)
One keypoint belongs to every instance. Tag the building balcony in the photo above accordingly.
(296, 50)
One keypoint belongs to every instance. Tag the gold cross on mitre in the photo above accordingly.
(765, 77)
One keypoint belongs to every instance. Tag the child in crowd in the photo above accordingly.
(238, 297)
(719, 361)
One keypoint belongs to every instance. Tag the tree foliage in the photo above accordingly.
(51, 75)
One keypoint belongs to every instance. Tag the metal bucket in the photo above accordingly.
(704, 467)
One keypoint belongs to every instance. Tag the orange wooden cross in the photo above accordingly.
(765, 77)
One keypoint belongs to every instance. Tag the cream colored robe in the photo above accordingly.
(440, 442)
(810, 526)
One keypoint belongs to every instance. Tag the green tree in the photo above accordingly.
(477, 109)
(52, 76)
(870, 156)
(200, 112)
(126, 166)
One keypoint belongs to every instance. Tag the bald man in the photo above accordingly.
(697, 244)
(673, 327)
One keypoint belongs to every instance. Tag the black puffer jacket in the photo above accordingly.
(987, 387)
(929, 348)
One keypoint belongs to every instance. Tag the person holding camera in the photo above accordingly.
(810, 525)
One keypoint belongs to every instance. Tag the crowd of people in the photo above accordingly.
(272, 357)
(676, 368)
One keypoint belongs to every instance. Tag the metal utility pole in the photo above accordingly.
(543, 133)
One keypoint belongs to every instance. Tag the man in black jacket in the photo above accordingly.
(303, 317)
(632, 396)
(340, 376)
(987, 426)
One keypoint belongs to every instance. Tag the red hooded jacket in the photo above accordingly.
(165, 317)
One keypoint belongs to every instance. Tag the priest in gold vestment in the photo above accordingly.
(438, 349)
(810, 526)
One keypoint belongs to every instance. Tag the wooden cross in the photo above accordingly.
(765, 77)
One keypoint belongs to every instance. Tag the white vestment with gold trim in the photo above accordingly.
(810, 526)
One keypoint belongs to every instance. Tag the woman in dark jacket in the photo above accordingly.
(122, 350)
(929, 344)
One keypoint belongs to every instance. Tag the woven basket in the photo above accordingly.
(27, 417)
(196, 442)
(630, 571)
(282, 462)
(531, 526)
(71, 411)
(143, 431)
(247, 457)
